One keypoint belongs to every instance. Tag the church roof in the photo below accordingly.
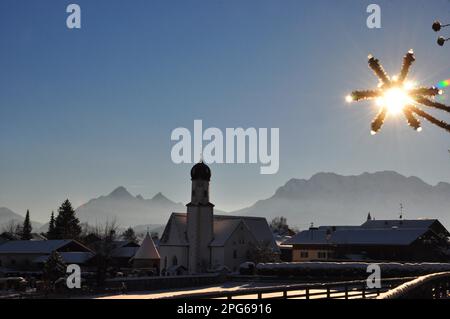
(147, 250)
(224, 226)
(201, 171)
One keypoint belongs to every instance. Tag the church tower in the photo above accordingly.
(200, 218)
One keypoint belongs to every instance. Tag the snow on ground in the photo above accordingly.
(233, 286)
(230, 287)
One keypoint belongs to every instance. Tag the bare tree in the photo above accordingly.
(104, 248)
(262, 252)
(12, 229)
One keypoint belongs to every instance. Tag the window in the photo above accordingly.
(322, 255)
(174, 261)
(165, 262)
(304, 254)
(235, 254)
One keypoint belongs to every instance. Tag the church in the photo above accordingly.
(198, 241)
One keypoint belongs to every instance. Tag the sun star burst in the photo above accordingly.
(396, 95)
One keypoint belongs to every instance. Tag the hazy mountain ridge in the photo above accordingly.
(128, 210)
(329, 198)
(325, 199)
(8, 217)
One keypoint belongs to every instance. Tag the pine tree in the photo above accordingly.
(67, 225)
(51, 233)
(54, 268)
(26, 228)
(129, 235)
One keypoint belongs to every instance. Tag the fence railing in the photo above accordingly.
(335, 290)
(434, 286)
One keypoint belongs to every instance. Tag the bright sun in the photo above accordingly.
(395, 100)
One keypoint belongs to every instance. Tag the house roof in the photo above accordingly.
(224, 226)
(401, 223)
(68, 257)
(397, 237)
(124, 249)
(147, 250)
(37, 246)
(124, 252)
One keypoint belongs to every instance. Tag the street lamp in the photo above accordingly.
(441, 41)
(438, 26)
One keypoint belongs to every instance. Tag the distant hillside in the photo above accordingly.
(128, 210)
(332, 199)
(7, 217)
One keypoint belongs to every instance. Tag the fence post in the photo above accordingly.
(328, 292)
(284, 294)
(364, 291)
(346, 291)
(307, 293)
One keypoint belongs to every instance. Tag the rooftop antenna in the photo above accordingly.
(401, 211)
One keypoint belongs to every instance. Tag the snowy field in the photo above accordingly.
(228, 287)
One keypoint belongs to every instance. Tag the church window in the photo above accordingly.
(193, 192)
(174, 261)
(205, 193)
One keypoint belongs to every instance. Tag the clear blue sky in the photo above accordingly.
(84, 111)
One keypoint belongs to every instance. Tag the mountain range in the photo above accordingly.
(332, 199)
(324, 199)
(8, 218)
(128, 210)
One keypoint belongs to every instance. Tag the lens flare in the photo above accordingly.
(395, 100)
(395, 96)
(443, 84)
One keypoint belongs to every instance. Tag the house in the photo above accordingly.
(381, 240)
(32, 254)
(285, 249)
(199, 241)
(147, 256)
(123, 252)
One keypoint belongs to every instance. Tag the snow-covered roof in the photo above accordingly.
(400, 236)
(68, 257)
(401, 223)
(223, 230)
(224, 227)
(37, 246)
(147, 250)
(124, 252)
